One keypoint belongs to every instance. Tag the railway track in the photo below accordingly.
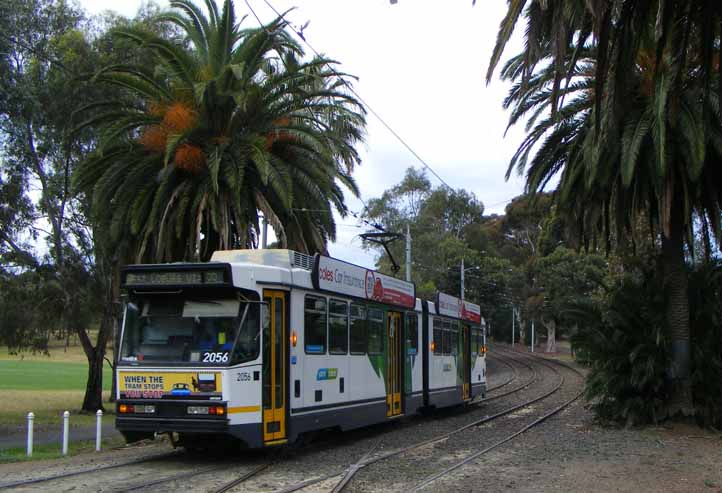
(348, 473)
(344, 475)
(473, 456)
(70, 474)
(514, 373)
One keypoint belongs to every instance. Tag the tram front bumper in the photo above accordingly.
(170, 416)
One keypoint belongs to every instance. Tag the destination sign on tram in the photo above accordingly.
(352, 280)
(134, 276)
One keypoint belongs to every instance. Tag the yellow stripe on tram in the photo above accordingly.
(244, 409)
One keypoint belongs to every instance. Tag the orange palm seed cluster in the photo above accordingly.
(154, 138)
(179, 117)
(190, 158)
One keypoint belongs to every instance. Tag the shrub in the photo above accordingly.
(705, 295)
(624, 340)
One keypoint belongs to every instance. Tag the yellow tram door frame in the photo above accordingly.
(466, 355)
(275, 330)
(393, 366)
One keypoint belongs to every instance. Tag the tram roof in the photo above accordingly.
(273, 266)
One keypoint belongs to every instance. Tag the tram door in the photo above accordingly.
(393, 366)
(466, 364)
(274, 365)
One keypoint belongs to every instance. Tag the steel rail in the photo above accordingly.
(64, 475)
(361, 464)
(147, 484)
(242, 478)
(526, 428)
(514, 374)
(351, 471)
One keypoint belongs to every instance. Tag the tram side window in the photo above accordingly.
(446, 338)
(454, 338)
(474, 341)
(412, 333)
(438, 336)
(337, 327)
(376, 331)
(358, 328)
(314, 321)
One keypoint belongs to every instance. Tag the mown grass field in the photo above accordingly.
(43, 452)
(45, 385)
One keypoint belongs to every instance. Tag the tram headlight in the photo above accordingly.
(213, 410)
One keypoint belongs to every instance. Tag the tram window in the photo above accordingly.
(438, 336)
(200, 330)
(376, 331)
(454, 338)
(446, 342)
(247, 342)
(358, 328)
(314, 325)
(337, 327)
(412, 333)
(474, 343)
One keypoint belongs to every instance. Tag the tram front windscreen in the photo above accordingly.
(190, 330)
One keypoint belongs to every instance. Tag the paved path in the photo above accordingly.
(14, 438)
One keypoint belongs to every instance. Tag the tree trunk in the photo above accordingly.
(94, 388)
(551, 326)
(93, 399)
(522, 330)
(115, 305)
(675, 284)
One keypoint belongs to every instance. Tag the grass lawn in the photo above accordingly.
(47, 375)
(42, 452)
(45, 385)
(47, 405)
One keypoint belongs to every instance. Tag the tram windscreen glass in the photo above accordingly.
(191, 330)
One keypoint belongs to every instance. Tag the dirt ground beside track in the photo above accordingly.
(570, 453)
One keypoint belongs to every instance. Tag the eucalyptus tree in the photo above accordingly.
(231, 121)
(623, 99)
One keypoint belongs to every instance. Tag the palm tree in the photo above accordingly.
(624, 104)
(230, 123)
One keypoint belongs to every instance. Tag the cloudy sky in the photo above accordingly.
(421, 67)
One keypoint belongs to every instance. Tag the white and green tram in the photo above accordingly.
(265, 345)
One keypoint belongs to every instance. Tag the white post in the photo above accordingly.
(532, 336)
(98, 429)
(66, 431)
(31, 418)
(513, 315)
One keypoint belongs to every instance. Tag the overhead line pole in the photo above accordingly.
(408, 253)
(462, 278)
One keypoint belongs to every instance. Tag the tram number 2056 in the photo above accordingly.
(214, 357)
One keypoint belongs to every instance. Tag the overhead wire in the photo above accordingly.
(300, 35)
(358, 96)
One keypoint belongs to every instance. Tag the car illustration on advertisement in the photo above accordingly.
(180, 388)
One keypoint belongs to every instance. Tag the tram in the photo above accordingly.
(266, 345)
